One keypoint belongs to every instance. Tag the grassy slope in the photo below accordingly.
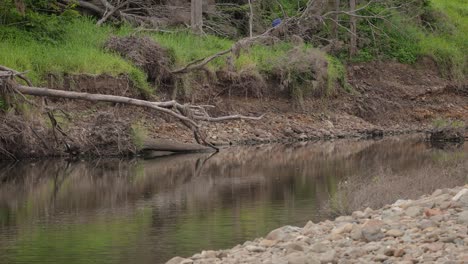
(449, 46)
(444, 37)
(79, 49)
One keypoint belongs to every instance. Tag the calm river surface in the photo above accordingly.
(147, 211)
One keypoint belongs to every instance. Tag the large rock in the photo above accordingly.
(372, 230)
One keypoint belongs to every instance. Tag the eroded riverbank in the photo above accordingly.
(432, 229)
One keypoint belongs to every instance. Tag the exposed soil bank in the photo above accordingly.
(432, 229)
(387, 98)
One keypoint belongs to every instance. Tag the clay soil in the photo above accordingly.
(387, 98)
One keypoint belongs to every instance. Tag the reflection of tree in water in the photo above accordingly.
(200, 201)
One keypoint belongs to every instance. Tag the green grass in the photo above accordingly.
(71, 44)
(444, 37)
(448, 44)
(77, 50)
(186, 47)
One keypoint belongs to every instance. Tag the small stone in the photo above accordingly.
(380, 258)
(343, 229)
(413, 211)
(394, 233)
(432, 212)
(462, 197)
(319, 247)
(354, 252)
(371, 247)
(252, 248)
(301, 258)
(267, 243)
(328, 257)
(347, 219)
(221, 254)
(463, 218)
(177, 260)
(434, 247)
(423, 224)
(445, 205)
(389, 251)
(310, 229)
(208, 254)
(438, 218)
(282, 233)
(359, 214)
(399, 253)
(463, 258)
(368, 211)
(437, 192)
(356, 233)
(293, 247)
(309, 225)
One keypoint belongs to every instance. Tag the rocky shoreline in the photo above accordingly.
(432, 229)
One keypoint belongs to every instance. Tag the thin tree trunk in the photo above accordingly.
(251, 19)
(335, 18)
(197, 16)
(353, 29)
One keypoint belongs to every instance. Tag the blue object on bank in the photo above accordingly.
(276, 22)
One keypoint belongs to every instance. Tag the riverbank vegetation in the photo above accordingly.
(60, 40)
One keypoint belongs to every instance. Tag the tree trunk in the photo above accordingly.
(251, 19)
(353, 28)
(197, 16)
(335, 17)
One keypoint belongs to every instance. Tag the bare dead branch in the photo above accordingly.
(189, 115)
(19, 74)
(197, 64)
(111, 12)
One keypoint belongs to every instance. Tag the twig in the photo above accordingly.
(110, 13)
(197, 64)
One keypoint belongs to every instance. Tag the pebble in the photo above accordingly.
(413, 211)
(394, 233)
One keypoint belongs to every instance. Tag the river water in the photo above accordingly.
(147, 211)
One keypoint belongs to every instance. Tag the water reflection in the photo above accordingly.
(146, 211)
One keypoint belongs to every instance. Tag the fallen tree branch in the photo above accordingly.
(197, 64)
(19, 74)
(189, 115)
(111, 12)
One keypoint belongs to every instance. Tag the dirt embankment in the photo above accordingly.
(386, 98)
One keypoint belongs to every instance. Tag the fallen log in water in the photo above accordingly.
(172, 146)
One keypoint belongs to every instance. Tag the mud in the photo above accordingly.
(387, 98)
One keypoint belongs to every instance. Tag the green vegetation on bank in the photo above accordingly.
(448, 44)
(68, 43)
(440, 32)
(46, 45)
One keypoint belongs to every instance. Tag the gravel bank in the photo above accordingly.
(432, 229)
